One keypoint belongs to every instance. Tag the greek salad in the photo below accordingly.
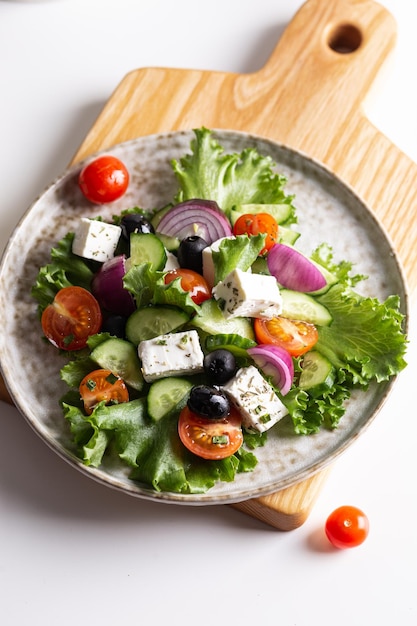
(189, 331)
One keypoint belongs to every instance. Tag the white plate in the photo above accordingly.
(328, 211)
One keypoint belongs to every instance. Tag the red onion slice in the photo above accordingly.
(293, 270)
(275, 363)
(107, 287)
(195, 217)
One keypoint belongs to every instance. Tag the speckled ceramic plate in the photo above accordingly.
(328, 212)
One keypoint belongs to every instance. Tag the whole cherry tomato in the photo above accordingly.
(104, 180)
(347, 527)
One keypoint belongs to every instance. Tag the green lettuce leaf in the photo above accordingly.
(240, 252)
(365, 337)
(65, 269)
(309, 414)
(81, 363)
(323, 255)
(173, 294)
(152, 449)
(229, 179)
(140, 280)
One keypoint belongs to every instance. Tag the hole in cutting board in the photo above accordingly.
(345, 38)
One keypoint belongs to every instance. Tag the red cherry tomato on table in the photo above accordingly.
(210, 439)
(294, 336)
(101, 385)
(192, 282)
(72, 317)
(254, 224)
(347, 527)
(104, 180)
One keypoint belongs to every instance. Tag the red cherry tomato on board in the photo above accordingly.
(208, 438)
(294, 336)
(254, 224)
(104, 180)
(347, 527)
(192, 282)
(72, 317)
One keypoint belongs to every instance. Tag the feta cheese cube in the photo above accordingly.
(96, 240)
(244, 294)
(173, 354)
(256, 400)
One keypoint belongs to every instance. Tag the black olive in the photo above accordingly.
(208, 402)
(135, 223)
(190, 253)
(114, 325)
(219, 366)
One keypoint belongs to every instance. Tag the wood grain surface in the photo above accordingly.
(309, 95)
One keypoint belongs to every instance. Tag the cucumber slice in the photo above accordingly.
(281, 212)
(236, 344)
(211, 320)
(147, 248)
(301, 306)
(158, 215)
(121, 358)
(318, 374)
(287, 235)
(167, 396)
(153, 321)
(170, 243)
(260, 266)
(331, 279)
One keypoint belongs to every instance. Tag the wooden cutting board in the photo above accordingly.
(309, 96)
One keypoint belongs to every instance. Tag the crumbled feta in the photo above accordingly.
(255, 399)
(173, 354)
(96, 240)
(243, 294)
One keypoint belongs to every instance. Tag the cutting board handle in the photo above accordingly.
(319, 74)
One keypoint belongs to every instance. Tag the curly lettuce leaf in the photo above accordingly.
(365, 338)
(140, 280)
(152, 449)
(309, 414)
(81, 362)
(323, 255)
(240, 252)
(229, 179)
(174, 295)
(65, 269)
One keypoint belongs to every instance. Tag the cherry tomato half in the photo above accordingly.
(210, 439)
(294, 336)
(104, 180)
(102, 385)
(72, 317)
(254, 224)
(347, 527)
(192, 282)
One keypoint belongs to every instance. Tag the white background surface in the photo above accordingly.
(75, 552)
